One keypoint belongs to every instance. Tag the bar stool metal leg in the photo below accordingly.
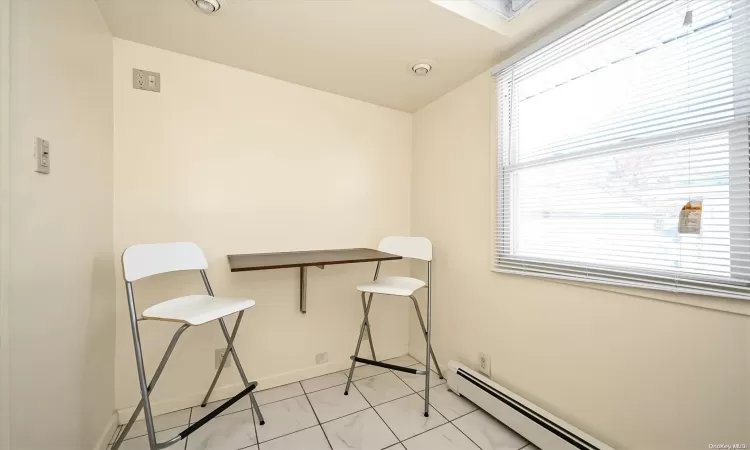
(223, 359)
(237, 362)
(151, 386)
(369, 329)
(359, 343)
(429, 339)
(141, 369)
(230, 346)
(424, 333)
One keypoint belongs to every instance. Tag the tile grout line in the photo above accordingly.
(257, 437)
(343, 372)
(121, 427)
(283, 435)
(386, 424)
(464, 415)
(318, 390)
(245, 409)
(467, 436)
(305, 393)
(318, 420)
(431, 375)
(426, 431)
(407, 384)
(462, 431)
(472, 440)
(321, 376)
(398, 441)
(391, 400)
(345, 415)
(417, 393)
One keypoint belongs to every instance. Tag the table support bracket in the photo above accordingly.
(303, 288)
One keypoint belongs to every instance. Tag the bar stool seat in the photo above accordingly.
(146, 260)
(197, 309)
(407, 247)
(402, 286)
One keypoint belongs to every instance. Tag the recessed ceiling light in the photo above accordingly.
(207, 6)
(421, 68)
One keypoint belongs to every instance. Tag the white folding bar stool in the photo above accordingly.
(407, 247)
(145, 260)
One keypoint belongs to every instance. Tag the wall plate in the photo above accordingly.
(146, 81)
(41, 151)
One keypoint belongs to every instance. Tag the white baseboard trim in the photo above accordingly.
(223, 392)
(103, 441)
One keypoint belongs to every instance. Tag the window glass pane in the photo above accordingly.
(656, 77)
(606, 134)
(622, 209)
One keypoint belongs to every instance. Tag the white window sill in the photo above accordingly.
(723, 304)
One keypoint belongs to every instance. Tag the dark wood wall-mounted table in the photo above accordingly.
(303, 260)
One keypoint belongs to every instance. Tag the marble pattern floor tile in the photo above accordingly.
(450, 405)
(324, 382)
(444, 437)
(405, 416)
(364, 430)
(267, 396)
(416, 382)
(331, 403)
(141, 443)
(382, 388)
(162, 422)
(383, 411)
(285, 417)
(489, 433)
(308, 439)
(365, 371)
(200, 412)
(231, 432)
(405, 361)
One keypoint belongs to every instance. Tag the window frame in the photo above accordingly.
(599, 274)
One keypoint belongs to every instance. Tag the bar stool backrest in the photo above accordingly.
(407, 247)
(144, 260)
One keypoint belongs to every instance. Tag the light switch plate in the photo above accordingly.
(146, 81)
(41, 152)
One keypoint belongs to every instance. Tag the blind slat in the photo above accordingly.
(605, 134)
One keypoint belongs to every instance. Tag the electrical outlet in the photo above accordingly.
(484, 364)
(41, 152)
(146, 81)
(366, 335)
(321, 358)
(218, 355)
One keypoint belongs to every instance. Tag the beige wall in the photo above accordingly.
(240, 163)
(61, 282)
(637, 372)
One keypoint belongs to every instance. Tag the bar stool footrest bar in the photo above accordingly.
(189, 430)
(389, 366)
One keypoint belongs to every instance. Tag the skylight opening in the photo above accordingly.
(506, 8)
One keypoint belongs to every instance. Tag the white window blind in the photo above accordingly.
(605, 134)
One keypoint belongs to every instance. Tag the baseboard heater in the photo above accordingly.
(539, 427)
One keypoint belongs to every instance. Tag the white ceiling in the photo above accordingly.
(361, 49)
